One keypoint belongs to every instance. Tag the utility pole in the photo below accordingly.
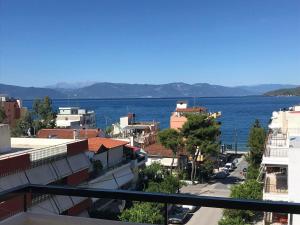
(235, 141)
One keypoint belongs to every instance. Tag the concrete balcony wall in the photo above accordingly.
(38, 219)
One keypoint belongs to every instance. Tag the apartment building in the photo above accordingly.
(281, 163)
(13, 109)
(64, 162)
(75, 117)
(178, 117)
(43, 161)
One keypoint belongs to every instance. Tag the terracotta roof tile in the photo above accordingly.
(69, 133)
(109, 143)
(159, 150)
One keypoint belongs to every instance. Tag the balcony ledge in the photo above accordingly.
(26, 218)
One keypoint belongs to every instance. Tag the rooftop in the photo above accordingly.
(69, 133)
(157, 149)
(97, 142)
(195, 109)
(21, 146)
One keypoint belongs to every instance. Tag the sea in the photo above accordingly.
(238, 113)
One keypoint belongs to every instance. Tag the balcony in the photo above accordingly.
(275, 155)
(276, 187)
(28, 218)
(276, 219)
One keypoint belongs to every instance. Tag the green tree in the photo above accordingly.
(202, 132)
(2, 114)
(22, 125)
(44, 116)
(256, 144)
(143, 213)
(251, 189)
(171, 139)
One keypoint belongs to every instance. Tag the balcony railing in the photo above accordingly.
(182, 199)
(276, 183)
(276, 152)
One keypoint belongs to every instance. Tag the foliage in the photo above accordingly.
(2, 114)
(153, 172)
(232, 221)
(143, 213)
(203, 131)
(44, 116)
(285, 92)
(108, 131)
(41, 116)
(22, 125)
(256, 144)
(170, 184)
(171, 139)
(252, 172)
(159, 180)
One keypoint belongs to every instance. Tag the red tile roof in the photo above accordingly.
(195, 109)
(69, 133)
(96, 143)
(159, 150)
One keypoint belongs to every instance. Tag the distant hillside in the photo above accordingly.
(29, 92)
(122, 90)
(285, 92)
(119, 90)
(263, 88)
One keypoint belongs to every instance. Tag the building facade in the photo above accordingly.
(281, 163)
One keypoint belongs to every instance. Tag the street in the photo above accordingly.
(217, 188)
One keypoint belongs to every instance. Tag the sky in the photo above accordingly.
(226, 42)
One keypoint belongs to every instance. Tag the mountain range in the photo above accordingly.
(123, 90)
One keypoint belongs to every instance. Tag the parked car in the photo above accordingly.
(177, 215)
(191, 208)
(222, 174)
(229, 166)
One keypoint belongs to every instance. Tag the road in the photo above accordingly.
(218, 188)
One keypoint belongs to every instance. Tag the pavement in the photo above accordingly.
(216, 188)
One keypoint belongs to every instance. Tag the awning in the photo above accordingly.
(63, 202)
(77, 200)
(44, 174)
(45, 207)
(105, 182)
(12, 181)
(79, 162)
(62, 168)
(124, 176)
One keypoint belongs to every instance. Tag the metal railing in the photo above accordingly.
(182, 199)
(276, 152)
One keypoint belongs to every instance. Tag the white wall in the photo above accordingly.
(5, 143)
(294, 179)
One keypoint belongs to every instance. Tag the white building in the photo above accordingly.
(75, 117)
(281, 163)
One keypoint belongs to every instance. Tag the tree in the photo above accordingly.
(23, 124)
(251, 189)
(43, 114)
(202, 132)
(256, 144)
(171, 139)
(143, 213)
(2, 114)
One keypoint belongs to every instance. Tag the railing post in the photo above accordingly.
(25, 202)
(166, 213)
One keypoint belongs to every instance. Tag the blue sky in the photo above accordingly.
(227, 42)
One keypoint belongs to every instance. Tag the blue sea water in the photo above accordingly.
(238, 113)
